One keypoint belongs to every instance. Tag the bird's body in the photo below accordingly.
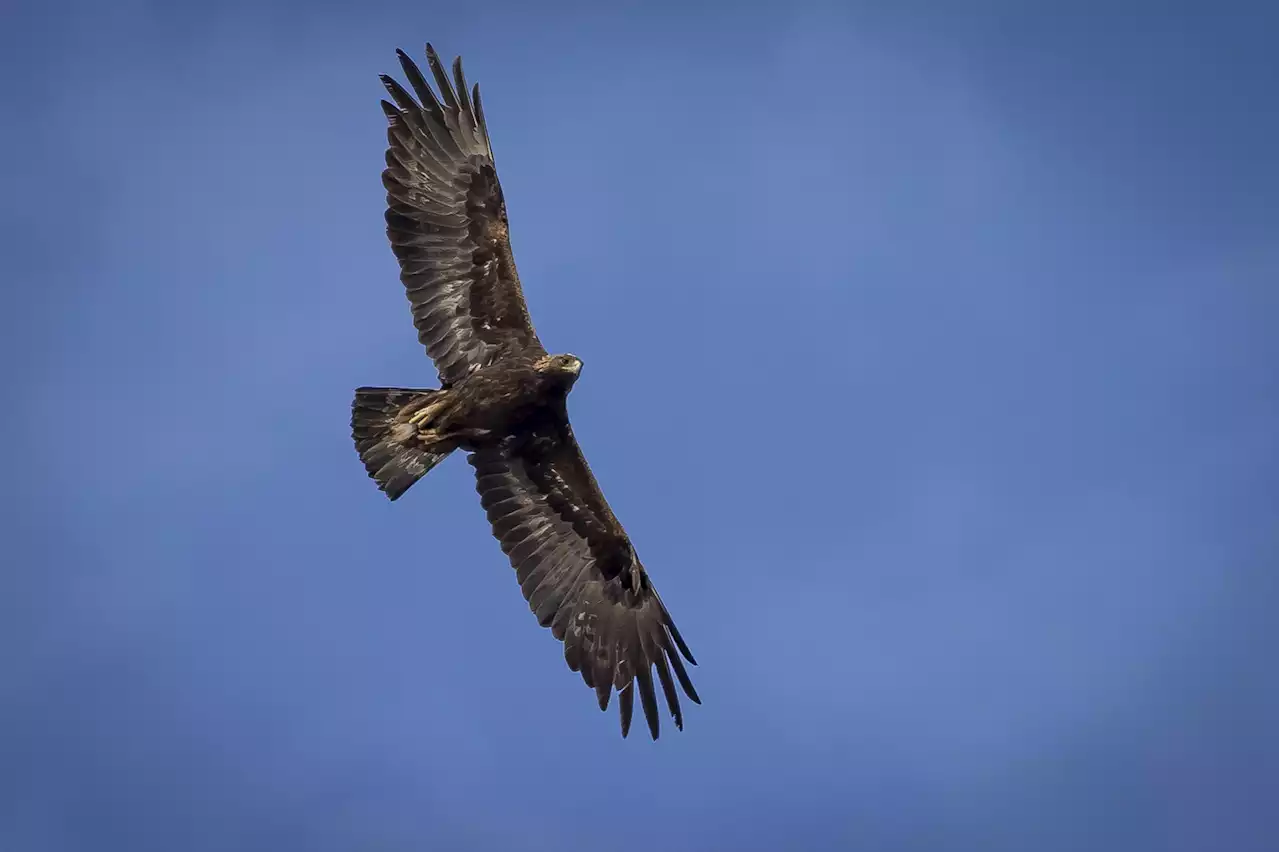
(485, 406)
(503, 401)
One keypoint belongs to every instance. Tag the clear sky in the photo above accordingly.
(930, 363)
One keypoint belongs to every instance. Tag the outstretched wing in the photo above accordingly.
(447, 223)
(579, 572)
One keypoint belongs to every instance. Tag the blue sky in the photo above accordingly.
(929, 363)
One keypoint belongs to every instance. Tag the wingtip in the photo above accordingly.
(626, 698)
(394, 89)
(680, 643)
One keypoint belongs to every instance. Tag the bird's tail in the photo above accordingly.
(391, 429)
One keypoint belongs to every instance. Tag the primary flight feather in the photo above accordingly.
(503, 400)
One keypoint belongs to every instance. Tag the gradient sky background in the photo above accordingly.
(930, 364)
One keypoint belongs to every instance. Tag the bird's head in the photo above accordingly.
(564, 368)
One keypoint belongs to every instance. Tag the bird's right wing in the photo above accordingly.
(579, 572)
(447, 222)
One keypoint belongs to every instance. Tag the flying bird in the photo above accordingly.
(502, 400)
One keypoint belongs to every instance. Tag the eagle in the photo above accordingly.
(502, 400)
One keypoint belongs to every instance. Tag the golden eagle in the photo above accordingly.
(502, 399)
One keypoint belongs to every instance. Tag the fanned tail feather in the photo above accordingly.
(390, 446)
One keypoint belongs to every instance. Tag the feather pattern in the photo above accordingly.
(447, 222)
(578, 570)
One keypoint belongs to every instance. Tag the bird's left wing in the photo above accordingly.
(447, 222)
(579, 572)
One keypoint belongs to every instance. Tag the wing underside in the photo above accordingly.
(447, 223)
(579, 572)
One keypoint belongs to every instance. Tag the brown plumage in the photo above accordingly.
(503, 400)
